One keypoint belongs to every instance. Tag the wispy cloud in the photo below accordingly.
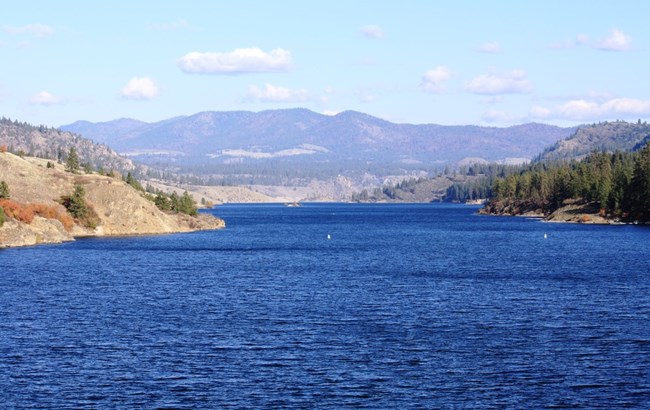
(365, 95)
(274, 93)
(592, 110)
(616, 41)
(491, 47)
(579, 40)
(45, 98)
(512, 82)
(238, 61)
(140, 88)
(434, 81)
(35, 30)
(499, 117)
(372, 31)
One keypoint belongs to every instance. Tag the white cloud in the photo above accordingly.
(616, 41)
(372, 31)
(591, 110)
(273, 93)
(491, 47)
(36, 30)
(140, 88)
(512, 82)
(45, 98)
(433, 81)
(330, 113)
(239, 61)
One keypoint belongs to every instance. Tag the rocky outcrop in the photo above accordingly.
(15, 233)
(121, 209)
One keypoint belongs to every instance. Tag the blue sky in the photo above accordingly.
(446, 62)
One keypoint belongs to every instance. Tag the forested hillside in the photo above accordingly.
(605, 137)
(618, 183)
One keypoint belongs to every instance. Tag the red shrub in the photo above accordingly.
(26, 212)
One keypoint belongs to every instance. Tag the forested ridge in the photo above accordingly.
(618, 183)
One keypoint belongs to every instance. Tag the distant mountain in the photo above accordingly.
(54, 144)
(303, 136)
(604, 136)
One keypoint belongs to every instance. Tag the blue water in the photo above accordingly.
(405, 306)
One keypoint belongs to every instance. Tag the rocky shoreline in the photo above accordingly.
(43, 231)
(569, 212)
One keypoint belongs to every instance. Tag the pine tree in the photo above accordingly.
(4, 190)
(639, 195)
(72, 164)
(76, 204)
(187, 204)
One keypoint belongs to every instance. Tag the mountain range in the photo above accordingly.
(302, 136)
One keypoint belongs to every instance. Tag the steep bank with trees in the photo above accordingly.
(616, 186)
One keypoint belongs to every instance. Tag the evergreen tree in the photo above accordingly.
(76, 204)
(639, 193)
(72, 164)
(174, 202)
(4, 190)
(162, 201)
(188, 206)
(130, 179)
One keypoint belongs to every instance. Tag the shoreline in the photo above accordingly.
(16, 234)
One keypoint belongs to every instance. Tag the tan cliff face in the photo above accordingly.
(121, 209)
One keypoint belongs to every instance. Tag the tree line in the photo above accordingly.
(618, 182)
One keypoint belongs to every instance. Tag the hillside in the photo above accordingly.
(221, 142)
(121, 210)
(54, 144)
(604, 136)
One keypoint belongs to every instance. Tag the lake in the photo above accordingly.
(330, 306)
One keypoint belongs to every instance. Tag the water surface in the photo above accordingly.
(404, 306)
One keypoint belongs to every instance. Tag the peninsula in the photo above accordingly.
(36, 192)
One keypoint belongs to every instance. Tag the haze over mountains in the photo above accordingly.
(301, 136)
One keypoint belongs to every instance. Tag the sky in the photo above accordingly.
(494, 63)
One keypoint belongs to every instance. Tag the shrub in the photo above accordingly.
(2, 217)
(26, 212)
(17, 210)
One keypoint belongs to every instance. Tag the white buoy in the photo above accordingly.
(545, 236)
(329, 236)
